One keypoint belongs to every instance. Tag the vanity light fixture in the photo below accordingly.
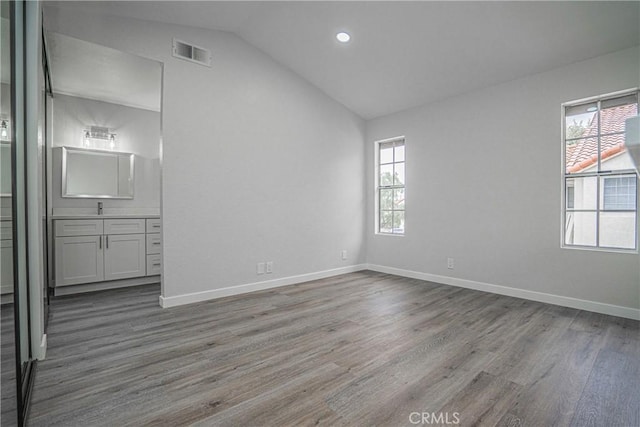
(99, 134)
(4, 129)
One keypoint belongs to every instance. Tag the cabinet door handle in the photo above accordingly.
(156, 264)
(100, 242)
(107, 242)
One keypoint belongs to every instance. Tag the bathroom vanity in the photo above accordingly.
(6, 256)
(105, 229)
(102, 252)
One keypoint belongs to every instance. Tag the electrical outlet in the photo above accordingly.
(344, 254)
(450, 263)
(269, 267)
(260, 268)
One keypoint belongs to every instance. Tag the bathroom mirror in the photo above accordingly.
(97, 174)
(5, 169)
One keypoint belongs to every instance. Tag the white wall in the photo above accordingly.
(257, 164)
(484, 187)
(138, 132)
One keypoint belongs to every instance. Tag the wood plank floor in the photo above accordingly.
(359, 349)
(8, 410)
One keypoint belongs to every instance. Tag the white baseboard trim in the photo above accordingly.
(597, 307)
(103, 286)
(42, 350)
(166, 302)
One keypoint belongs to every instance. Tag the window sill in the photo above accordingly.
(389, 234)
(594, 249)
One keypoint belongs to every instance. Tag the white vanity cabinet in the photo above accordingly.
(79, 259)
(6, 257)
(124, 256)
(154, 246)
(97, 250)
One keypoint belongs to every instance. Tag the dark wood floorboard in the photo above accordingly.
(359, 349)
(8, 410)
(610, 395)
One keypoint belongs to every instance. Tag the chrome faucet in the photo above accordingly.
(99, 208)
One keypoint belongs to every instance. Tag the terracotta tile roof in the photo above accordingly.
(584, 152)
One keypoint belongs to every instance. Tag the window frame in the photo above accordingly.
(599, 176)
(378, 187)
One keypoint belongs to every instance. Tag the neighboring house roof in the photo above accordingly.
(583, 153)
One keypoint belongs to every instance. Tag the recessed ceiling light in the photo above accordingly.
(592, 109)
(343, 37)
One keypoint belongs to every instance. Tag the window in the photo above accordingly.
(390, 186)
(619, 193)
(600, 185)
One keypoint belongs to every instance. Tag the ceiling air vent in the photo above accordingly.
(191, 53)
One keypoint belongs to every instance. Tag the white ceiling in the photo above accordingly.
(92, 71)
(403, 54)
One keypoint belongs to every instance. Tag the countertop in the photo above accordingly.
(107, 216)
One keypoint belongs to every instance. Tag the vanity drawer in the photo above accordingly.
(154, 225)
(154, 243)
(154, 264)
(79, 227)
(6, 267)
(6, 230)
(124, 226)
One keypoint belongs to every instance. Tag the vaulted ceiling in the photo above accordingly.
(404, 54)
